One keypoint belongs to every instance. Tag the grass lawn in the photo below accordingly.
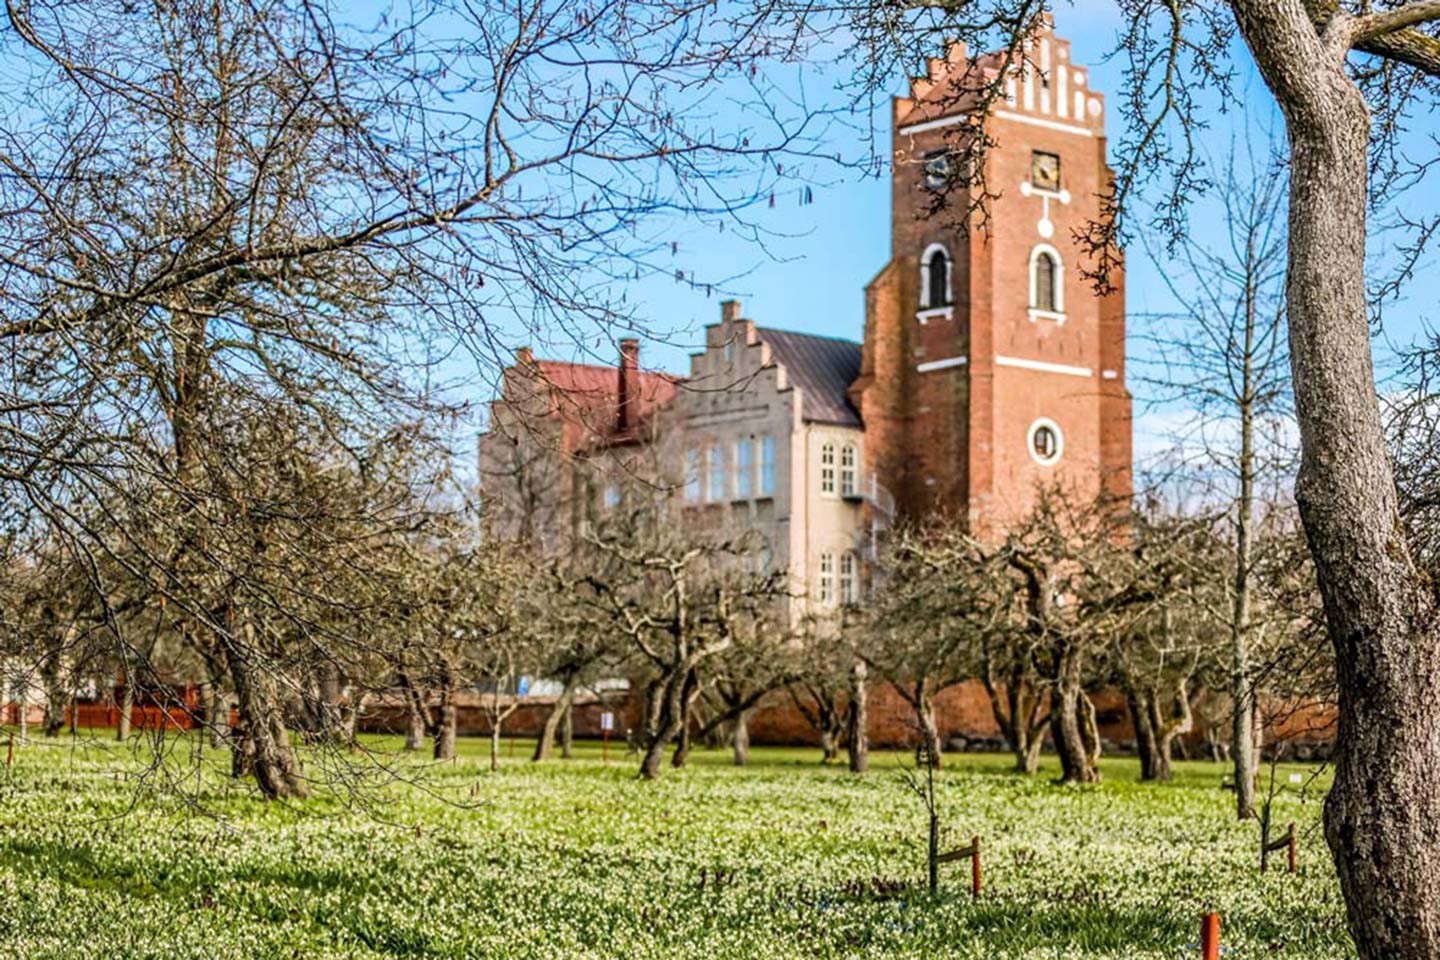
(578, 859)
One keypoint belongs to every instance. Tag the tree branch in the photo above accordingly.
(1372, 26)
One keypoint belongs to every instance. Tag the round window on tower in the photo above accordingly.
(1046, 442)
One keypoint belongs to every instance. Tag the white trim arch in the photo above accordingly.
(926, 301)
(1058, 312)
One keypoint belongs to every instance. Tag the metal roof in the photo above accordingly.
(823, 368)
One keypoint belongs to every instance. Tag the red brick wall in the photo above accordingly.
(964, 446)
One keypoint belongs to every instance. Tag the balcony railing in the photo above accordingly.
(870, 491)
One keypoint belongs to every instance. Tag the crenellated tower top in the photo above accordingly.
(1037, 81)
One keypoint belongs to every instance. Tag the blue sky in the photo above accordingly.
(812, 273)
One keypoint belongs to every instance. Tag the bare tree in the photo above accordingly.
(944, 598)
(1222, 356)
(680, 598)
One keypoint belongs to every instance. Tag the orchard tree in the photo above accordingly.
(680, 597)
(940, 574)
(1158, 655)
(734, 682)
(824, 690)
(929, 621)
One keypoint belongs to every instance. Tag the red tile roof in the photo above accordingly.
(589, 394)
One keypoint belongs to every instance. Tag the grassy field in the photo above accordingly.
(578, 859)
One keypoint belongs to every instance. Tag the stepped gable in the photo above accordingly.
(1039, 83)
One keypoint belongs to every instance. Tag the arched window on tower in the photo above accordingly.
(1046, 291)
(934, 278)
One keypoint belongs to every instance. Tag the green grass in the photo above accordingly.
(578, 859)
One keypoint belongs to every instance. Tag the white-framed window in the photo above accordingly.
(767, 466)
(744, 468)
(1047, 281)
(1045, 442)
(934, 277)
(692, 476)
(849, 578)
(847, 470)
(827, 577)
(717, 472)
(827, 469)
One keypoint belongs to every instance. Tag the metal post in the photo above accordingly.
(1292, 846)
(1210, 937)
(934, 858)
(975, 866)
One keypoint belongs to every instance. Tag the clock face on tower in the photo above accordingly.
(1045, 171)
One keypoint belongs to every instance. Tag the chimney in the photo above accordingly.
(628, 396)
(729, 310)
(524, 357)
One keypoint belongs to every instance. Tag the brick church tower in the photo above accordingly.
(990, 366)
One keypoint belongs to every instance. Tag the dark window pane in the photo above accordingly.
(936, 281)
(1045, 282)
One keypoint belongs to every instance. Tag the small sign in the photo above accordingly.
(1297, 778)
(607, 721)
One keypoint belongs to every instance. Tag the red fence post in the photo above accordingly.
(1210, 937)
(975, 866)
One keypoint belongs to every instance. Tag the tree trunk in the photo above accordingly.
(1069, 710)
(1145, 746)
(217, 706)
(545, 745)
(52, 674)
(665, 715)
(683, 744)
(220, 728)
(686, 732)
(1090, 732)
(857, 740)
(740, 738)
(1028, 709)
(829, 746)
(1242, 691)
(265, 741)
(928, 729)
(1164, 747)
(494, 744)
(208, 709)
(567, 732)
(1381, 813)
(1018, 712)
(447, 714)
(127, 706)
(350, 719)
(1167, 727)
(55, 700)
(416, 712)
(445, 728)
